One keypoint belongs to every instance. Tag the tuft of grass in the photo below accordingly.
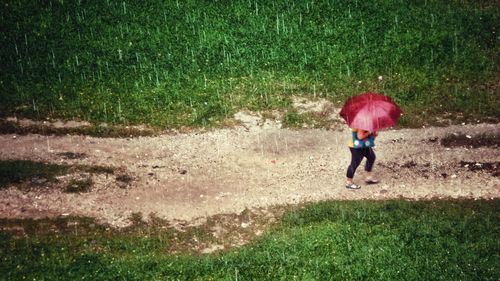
(293, 119)
(137, 219)
(335, 240)
(321, 119)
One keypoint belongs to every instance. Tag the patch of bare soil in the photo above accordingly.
(187, 177)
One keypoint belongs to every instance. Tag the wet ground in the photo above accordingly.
(192, 176)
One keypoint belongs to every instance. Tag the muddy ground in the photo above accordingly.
(190, 176)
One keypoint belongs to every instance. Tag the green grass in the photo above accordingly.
(339, 240)
(195, 62)
(114, 131)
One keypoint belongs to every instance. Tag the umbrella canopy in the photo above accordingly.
(370, 111)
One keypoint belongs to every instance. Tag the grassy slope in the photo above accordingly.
(364, 240)
(174, 63)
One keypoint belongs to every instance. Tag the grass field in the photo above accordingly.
(195, 63)
(363, 240)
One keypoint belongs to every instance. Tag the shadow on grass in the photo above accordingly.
(333, 240)
(38, 173)
(18, 171)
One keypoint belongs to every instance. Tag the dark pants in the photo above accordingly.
(357, 155)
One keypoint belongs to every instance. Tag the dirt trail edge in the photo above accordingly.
(188, 176)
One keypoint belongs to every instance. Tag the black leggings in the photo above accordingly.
(357, 155)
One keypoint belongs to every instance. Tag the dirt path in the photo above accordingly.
(186, 176)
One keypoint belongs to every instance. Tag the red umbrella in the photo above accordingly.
(370, 111)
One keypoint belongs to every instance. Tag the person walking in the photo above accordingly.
(361, 146)
(366, 114)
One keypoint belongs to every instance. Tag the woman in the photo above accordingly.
(361, 145)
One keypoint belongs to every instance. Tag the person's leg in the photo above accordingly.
(356, 157)
(370, 157)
